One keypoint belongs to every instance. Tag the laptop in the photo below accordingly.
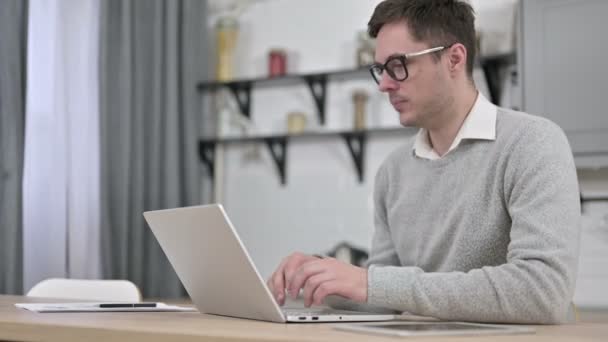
(215, 268)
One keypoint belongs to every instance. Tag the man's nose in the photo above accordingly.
(387, 83)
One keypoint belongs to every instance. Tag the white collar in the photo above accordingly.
(479, 124)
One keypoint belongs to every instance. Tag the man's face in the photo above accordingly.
(420, 98)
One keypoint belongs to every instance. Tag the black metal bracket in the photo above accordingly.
(278, 150)
(206, 151)
(493, 79)
(356, 145)
(242, 94)
(491, 68)
(318, 88)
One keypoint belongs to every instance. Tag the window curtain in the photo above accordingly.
(152, 56)
(13, 37)
(61, 164)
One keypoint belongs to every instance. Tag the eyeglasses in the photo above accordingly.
(396, 65)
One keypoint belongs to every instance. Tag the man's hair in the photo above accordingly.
(435, 22)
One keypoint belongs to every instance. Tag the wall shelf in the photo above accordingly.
(316, 82)
(355, 141)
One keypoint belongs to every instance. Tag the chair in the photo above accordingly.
(84, 289)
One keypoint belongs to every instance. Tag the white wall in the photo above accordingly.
(496, 21)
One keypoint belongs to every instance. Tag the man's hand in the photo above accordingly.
(288, 267)
(323, 277)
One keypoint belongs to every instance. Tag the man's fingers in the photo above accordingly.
(276, 283)
(311, 285)
(325, 289)
(302, 275)
(291, 267)
(296, 260)
(280, 280)
(275, 287)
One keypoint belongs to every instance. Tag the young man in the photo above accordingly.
(477, 217)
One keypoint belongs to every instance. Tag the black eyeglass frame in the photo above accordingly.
(402, 59)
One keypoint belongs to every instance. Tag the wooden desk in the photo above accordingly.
(21, 325)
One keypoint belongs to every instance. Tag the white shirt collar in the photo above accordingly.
(479, 124)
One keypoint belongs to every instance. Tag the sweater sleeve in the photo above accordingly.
(536, 283)
(382, 251)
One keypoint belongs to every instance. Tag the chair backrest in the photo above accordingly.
(84, 289)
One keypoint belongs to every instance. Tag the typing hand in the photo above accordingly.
(286, 270)
(323, 277)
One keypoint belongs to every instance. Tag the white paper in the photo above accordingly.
(94, 307)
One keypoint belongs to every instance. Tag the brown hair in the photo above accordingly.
(436, 22)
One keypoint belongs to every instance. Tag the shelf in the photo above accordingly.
(277, 145)
(316, 82)
(287, 79)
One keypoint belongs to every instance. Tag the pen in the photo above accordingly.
(127, 305)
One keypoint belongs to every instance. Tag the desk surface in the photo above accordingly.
(22, 325)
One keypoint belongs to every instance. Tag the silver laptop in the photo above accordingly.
(216, 270)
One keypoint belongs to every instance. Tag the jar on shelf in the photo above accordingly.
(277, 62)
(227, 33)
(360, 98)
(366, 49)
(296, 122)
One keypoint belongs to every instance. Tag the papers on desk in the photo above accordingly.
(102, 307)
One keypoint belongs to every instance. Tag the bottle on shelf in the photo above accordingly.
(360, 98)
(227, 29)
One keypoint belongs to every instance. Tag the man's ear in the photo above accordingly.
(457, 58)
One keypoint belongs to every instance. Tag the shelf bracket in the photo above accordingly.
(278, 150)
(493, 78)
(356, 145)
(318, 89)
(492, 67)
(206, 150)
(242, 94)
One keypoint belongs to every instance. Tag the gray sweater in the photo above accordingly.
(490, 232)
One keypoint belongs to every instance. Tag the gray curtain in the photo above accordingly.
(13, 37)
(153, 52)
